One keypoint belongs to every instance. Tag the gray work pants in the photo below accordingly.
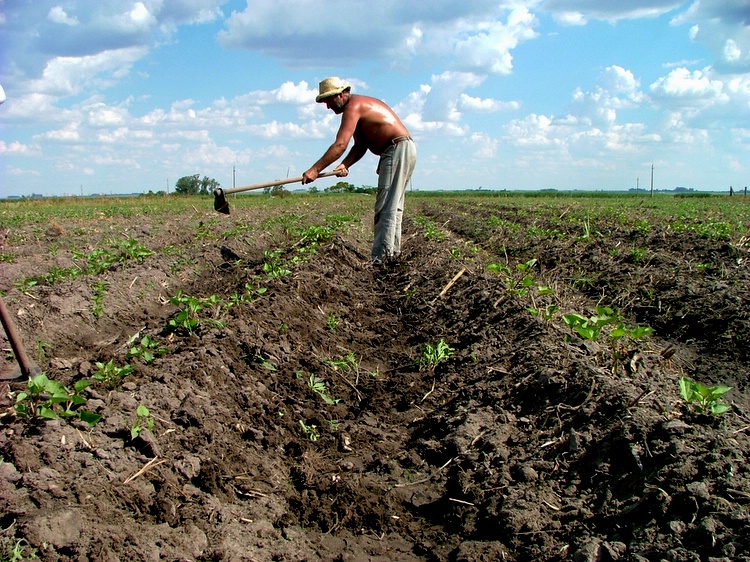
(394, 172)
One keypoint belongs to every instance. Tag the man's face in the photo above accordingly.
(335, 103)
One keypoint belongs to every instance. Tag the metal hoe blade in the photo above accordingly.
(220, 202)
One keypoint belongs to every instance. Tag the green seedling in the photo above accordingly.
(147, 350)
(591, 328)
(110, 374)
(547, 313)
(332, 322)
(48, 399)
(620, 338)
(273, 268)
(311, 431)
(144, 420)
(638, 254)
(431, 231)
(347, 363)
(100, 290)
(25, 285)
(12, 550)
(10, 257)
(433, 355)
(319, 387)
(251, 294)
(705, 399)
(265, 363)
(190, 317)
(517, 283)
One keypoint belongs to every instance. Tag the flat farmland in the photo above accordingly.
(540, 377)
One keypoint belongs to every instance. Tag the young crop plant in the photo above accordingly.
(620, 335)
(100, 290)
(311, 431)
(347, 363)
(638, 254)
(546, 313)
(120, 250)
(431, 231)
(519, 282)
(273, 267)
(251, 294)
(12, 550)
(48, 399)
(332, 322)
(25, 284)
(190, 317)
(130, 249)
(110, 374)
(588, 233)
(320, 387)
(590, 328)
(144, 420)
(434, 354)
(705, 399)
(147, 350)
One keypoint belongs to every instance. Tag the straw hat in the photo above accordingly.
(330, 87)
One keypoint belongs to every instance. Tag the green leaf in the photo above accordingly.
(720, 390)
(717, 409)
(47, 413)
(81, 385)
(90, 417)
(142, 411)
(686, 389)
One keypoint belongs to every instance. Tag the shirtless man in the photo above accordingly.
(374, 127)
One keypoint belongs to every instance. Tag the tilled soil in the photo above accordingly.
(525, 442)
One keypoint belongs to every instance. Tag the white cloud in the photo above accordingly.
(684, 87)
(483, 146)
(65, 76)
(18, 149)
(57, 15)
(617, 88)
(68, 133)
(580, 12)
(484, 105)
(724, 27)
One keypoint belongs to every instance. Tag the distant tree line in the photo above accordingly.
(346, 187)
(194, 185)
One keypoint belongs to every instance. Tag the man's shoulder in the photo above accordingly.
(364, 101)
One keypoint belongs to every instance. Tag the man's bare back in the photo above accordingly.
(377, 124)
(369, 121)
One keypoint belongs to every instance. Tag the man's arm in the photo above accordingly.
(345, 133)
(354, 156)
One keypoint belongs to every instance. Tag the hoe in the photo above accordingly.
(220, 195)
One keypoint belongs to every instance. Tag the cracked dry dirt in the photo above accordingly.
(527, 443)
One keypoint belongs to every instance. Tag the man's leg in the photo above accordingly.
(394, 171)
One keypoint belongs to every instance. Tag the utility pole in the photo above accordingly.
(637, 183)
(652, 180)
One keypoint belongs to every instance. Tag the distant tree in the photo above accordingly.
(194, 185)
(188, 185)
(209, 185)
(341, 187)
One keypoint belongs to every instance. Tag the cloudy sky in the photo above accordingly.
(122, 96)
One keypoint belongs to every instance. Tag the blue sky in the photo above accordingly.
(123, 96)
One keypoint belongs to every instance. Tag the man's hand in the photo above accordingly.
(310, 176)
(341, 171)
